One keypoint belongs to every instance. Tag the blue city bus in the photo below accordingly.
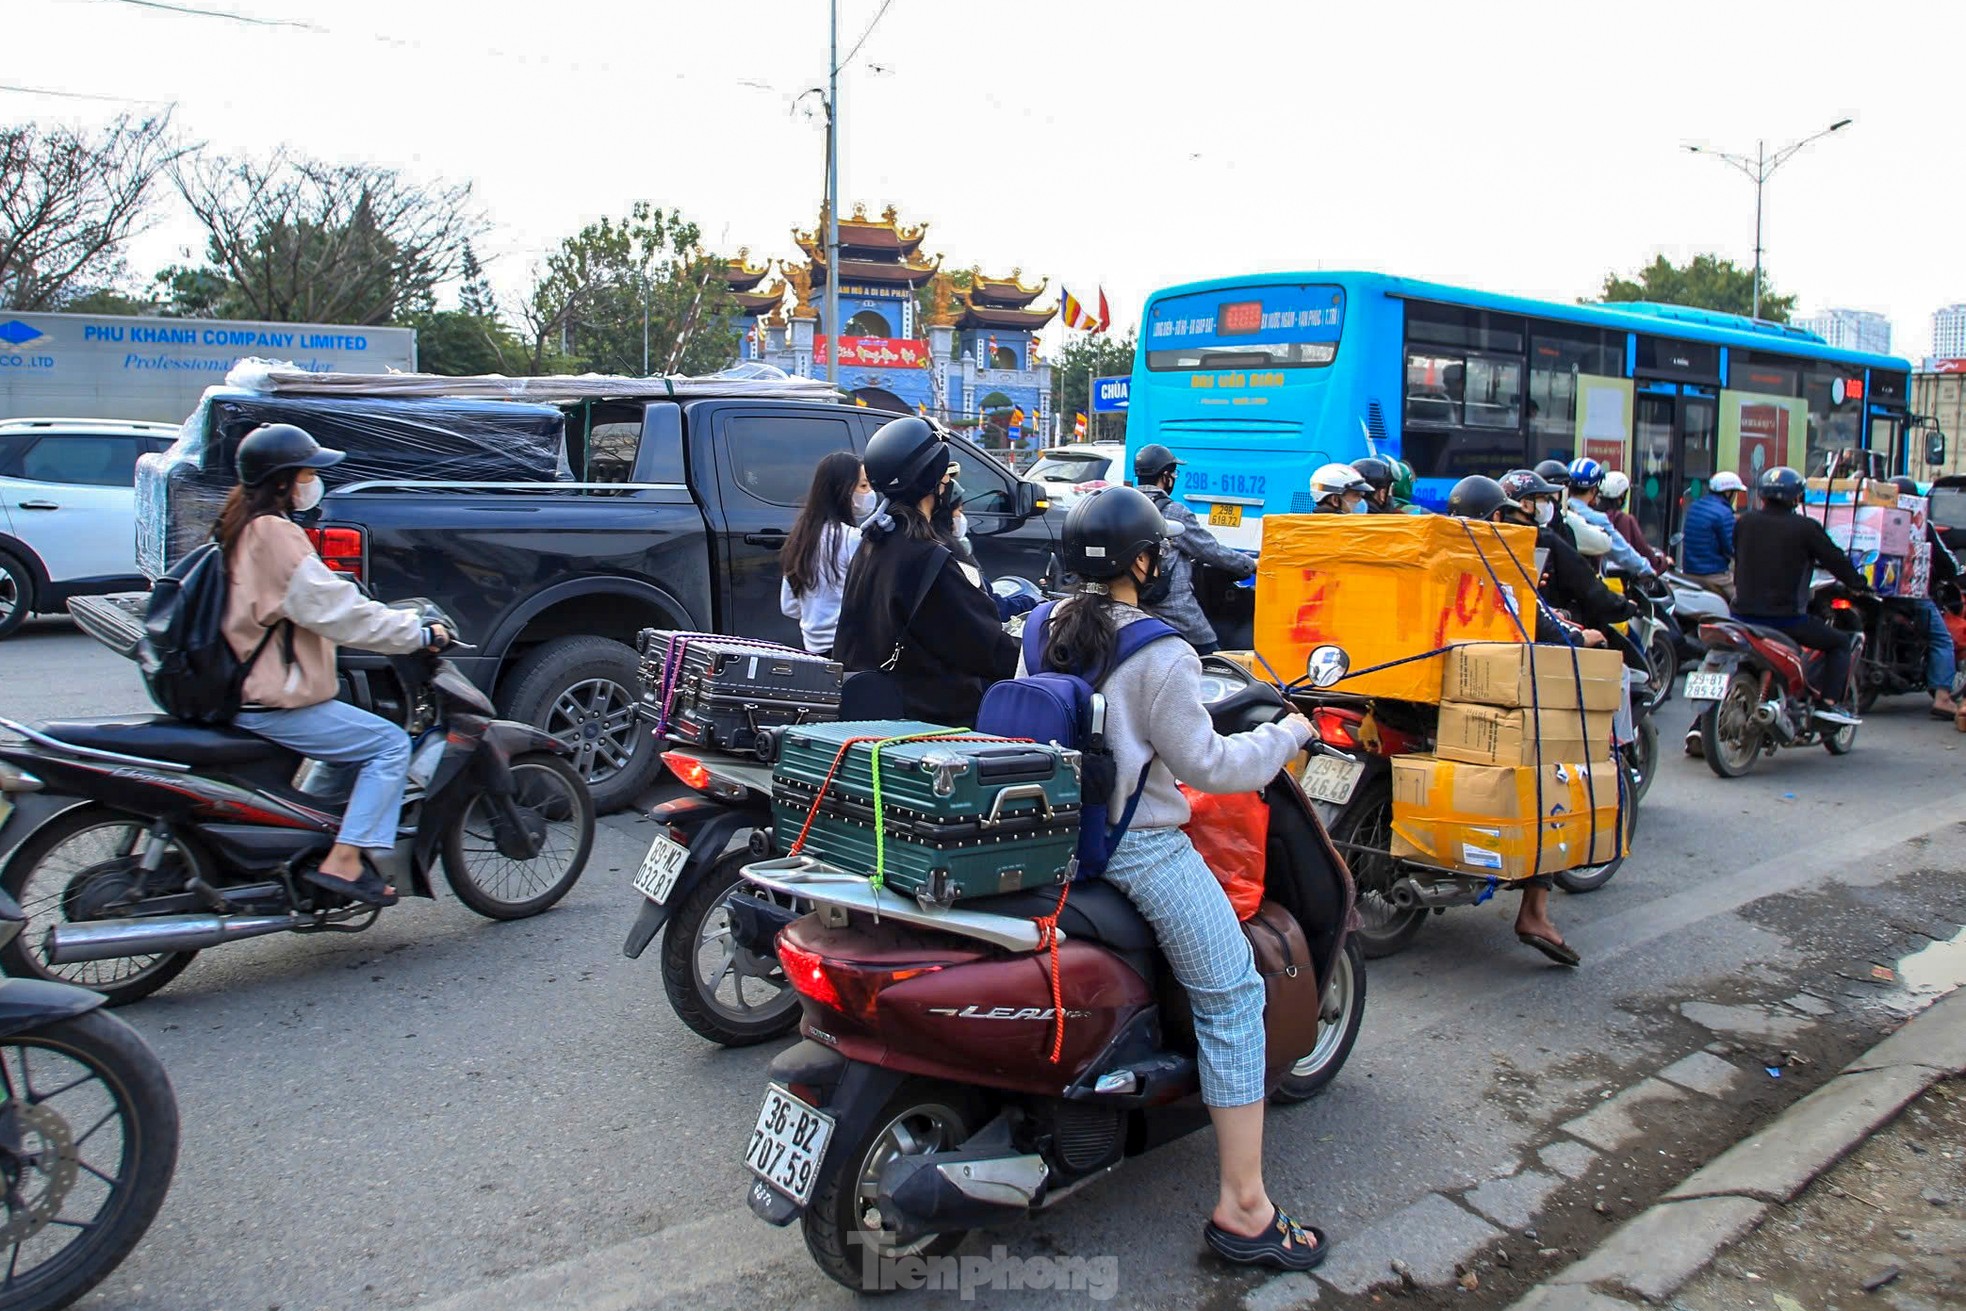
(1256, 381)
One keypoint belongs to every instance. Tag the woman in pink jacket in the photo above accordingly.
(285, 614)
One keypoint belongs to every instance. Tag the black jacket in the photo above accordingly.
(1570, 584)
(903, 590)
(1775, 552)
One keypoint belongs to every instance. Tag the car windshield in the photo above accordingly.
(1070, 468)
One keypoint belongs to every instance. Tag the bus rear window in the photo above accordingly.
(1280, 327)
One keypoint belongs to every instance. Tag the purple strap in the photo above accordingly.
(672, 666)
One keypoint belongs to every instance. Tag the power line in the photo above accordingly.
(81, 95)
(879, 14)
(225, 14)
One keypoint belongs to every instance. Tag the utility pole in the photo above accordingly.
(833, 197)
(1758, 171)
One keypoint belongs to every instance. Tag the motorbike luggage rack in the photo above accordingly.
(807, 879)
(69, 748)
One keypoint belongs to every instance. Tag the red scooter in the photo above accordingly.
(924, 1100)
(1755, 684)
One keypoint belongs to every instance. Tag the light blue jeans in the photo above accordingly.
(1940, 661)
(349, 740)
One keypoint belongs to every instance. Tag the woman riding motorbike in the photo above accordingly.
(908, 608)
(1114, 540)
(284, 615)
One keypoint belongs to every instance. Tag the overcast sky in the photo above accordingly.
(1520, 147)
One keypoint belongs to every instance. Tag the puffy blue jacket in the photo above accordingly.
(1709, 535)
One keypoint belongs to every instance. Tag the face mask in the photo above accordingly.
(1545, 513)
(1359, 507)
(1159, 583)
(863, 505)
(960, 526)
(307, 495)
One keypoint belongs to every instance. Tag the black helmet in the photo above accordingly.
(1518, 483)
(1476, 497)
(274, 447)
(1780, 485)
(1151, 461)
(1906, 486)
(1106, 531)
(905, 459)
(1376, 471)
(1555, 471)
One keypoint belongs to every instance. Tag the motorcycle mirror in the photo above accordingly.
(1327, 666)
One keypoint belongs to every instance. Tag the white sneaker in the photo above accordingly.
(1695, 747)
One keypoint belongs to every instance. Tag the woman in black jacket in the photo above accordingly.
(909, 608)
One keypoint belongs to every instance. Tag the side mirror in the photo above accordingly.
(1327, 666)
(1935, 447)
(1030, 500)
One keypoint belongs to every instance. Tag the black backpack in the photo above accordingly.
(187, 664)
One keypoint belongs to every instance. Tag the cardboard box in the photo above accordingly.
(1850, 491)
(1515, 674)
(1487, 819)
(1495, 735)
(1387, 588)
(1918, 571)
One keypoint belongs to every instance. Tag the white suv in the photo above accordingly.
(1069, 472)
(68, 510)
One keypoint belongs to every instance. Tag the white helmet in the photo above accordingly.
(1336, 479)
(1726, 481)
(1616, 484)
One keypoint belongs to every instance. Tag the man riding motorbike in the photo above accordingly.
(1585, 539)
(1776, 552)
(1403, 490)
(1611, 499)
(1941, 664)
(1379, 475)
(1586, 479)
(1708, 544)
(1338, 489)
(1568, 583)
(1153, 474)
(908, 608)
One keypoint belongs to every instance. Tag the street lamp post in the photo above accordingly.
(1759, 170)
(833, 200)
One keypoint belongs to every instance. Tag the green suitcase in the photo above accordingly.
(958, 819)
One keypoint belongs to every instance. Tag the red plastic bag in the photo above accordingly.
(1231, 832)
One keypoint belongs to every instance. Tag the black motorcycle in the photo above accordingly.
(1896, 640)
(88, 1134)
(190, 837)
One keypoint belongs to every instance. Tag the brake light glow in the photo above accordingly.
(689, 771)
(1839, 603)
(838, 985)
(1334, 726)
(807, 974)
(341, 549)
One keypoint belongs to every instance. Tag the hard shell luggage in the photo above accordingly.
(958, 817)
(726, 693)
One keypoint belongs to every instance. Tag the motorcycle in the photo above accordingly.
(88, 1132)
(187, 837)
(1655, 632)
(1756, 689)
(1896, 641)
(923, 1103)
(1693, 604)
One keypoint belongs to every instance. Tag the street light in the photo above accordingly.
(1759, 169)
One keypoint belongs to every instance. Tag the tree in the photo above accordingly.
(69, 204)
(1706, 282)
(296, 240)
(617, 296)
(1085, 357)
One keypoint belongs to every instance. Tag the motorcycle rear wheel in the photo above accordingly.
(501, 888)
(700, 1002)
(924, 1115)
(1338, 1029)
(1727, 733)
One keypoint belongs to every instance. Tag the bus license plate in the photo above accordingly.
(788, 1144)
(1328, 778)
(661, 868)
(1224, 516)
(1705, 686)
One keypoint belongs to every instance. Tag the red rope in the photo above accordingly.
(1048, 941)
(839, 758)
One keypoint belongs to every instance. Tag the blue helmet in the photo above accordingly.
(1586, 475)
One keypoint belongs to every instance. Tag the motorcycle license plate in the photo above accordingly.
(1225, 516)
(788, 1144)
(1703, 686)
(660, 868)
(1328, 778)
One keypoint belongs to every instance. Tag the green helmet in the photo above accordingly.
(1402, 481)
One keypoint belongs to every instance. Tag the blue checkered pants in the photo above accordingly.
(1162, 875)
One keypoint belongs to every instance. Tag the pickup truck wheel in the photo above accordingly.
(584, 691)
(16, 593)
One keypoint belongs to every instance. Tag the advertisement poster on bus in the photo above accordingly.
(1758, 432)
(1604, 420)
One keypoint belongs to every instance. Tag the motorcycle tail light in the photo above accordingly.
(699, 777)
(849, 989)
(806, 972)
(1717, 635)
(1840, 603)
(1335, 727)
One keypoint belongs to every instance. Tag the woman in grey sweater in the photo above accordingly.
(1115, 540)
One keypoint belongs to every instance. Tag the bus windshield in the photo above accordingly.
(1280, 327)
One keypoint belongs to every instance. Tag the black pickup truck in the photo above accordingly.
(554, 527)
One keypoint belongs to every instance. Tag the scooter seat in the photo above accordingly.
(159, 737)
(1095, 911)
(1775, 633)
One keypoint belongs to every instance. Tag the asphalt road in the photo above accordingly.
(454, 1112)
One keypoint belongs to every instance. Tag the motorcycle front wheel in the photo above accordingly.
(719, 989)
(88, 1144)
(549, 793)
(1727, 730)
(1364, 832)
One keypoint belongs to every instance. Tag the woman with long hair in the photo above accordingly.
(285, 613)
(1157, 725)
(821, 546)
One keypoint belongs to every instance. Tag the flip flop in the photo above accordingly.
(370, 890)
(1285, 1244)
(1560, 952)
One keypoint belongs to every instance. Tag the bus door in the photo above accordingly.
(1674, 430)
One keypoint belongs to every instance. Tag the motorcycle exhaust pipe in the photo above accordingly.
(72, 944)
(1768, 714)
(1409, 894)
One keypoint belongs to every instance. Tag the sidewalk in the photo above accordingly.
(1769, 1175)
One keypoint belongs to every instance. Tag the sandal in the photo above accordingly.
(370, 890)
(1560, 952)
(1286, 1245)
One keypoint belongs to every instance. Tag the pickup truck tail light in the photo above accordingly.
(342, 550)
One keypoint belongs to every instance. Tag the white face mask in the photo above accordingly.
(863, 504)
(307, 495)
(960, 526)
(1545, 512)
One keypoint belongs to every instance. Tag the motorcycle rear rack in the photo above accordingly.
(90, 753)
(811, 880)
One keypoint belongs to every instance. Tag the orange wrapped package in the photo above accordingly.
(1386, 587)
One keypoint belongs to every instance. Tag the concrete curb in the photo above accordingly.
(1655, 1253)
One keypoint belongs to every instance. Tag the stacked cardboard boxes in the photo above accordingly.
(1882, 530)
